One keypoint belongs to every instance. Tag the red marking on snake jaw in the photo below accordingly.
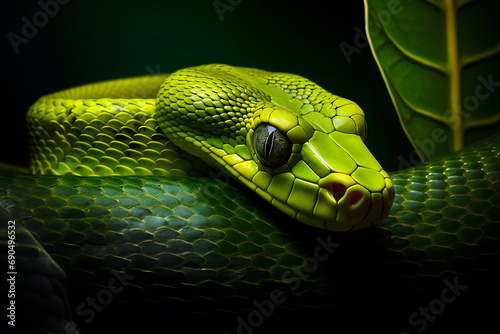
(355, 197)
(337, 190)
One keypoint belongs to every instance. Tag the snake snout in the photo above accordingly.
(353, 201)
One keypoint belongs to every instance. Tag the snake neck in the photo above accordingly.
(105, 129)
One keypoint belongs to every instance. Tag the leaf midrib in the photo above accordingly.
(454, 69)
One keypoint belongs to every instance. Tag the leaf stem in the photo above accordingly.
(457, 123)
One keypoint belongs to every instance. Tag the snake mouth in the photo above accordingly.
(378, 209)
(339, 203)
(357, 207)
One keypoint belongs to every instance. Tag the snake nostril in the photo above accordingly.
(337, 190)
(355, 197)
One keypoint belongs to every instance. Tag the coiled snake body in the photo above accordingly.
(182, 243)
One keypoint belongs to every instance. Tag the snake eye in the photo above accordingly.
(272, 145)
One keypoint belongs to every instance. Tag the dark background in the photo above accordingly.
(91, 40)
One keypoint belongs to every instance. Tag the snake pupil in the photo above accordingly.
(269, 145)
(272, 145)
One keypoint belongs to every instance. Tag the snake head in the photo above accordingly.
(328, 180)
(295, 144)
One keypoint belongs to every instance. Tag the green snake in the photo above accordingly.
(127, 188)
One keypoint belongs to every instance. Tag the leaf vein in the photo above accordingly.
(409, 55)
(411, 106)
(481, 56)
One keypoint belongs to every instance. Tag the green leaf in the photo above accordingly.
(441, 64)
